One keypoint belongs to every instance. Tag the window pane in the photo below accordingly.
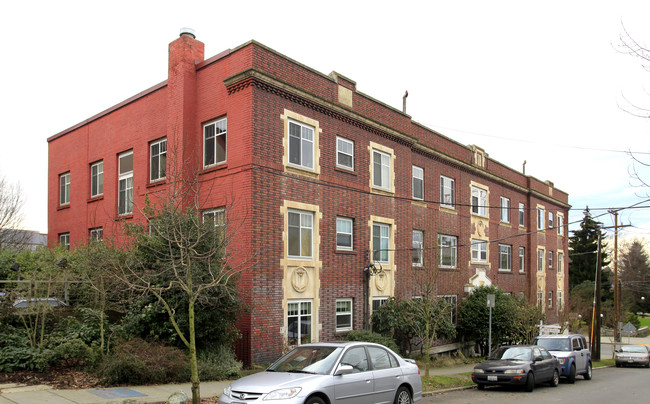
(221, 148)
(209, 149)
(126, 163)
(294, 148)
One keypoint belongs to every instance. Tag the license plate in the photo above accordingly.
(492, 379)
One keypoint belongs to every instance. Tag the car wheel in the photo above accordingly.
(588, 374)
(556, 378)
(315, 400)
(403, 396)
(530, 382)
(572, 373)
(480, 386)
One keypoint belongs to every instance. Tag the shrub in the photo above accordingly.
(219, 364)
(369, 336)
(73, 352)
(141, 362)
(13, 358)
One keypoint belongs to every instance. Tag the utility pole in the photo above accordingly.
(595, 317)
(617, 286)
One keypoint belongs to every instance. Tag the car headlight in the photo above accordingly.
(283, 394)
(479, 371)
(227, 391)
(513, 371)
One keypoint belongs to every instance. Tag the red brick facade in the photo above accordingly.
(259, 92)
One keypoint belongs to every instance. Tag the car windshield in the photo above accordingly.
(634, 349)
(307, 359)
(554, 344)
(517, 353)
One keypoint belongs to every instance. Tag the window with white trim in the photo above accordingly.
(560, 262)
(381, 170)
(550, 220)
(97, 179)
(344, 229)
(505, 257)
(550, 260)
(505, 210)
(301, 145)
(479, 201)
(560, 224)
(64, 240)
(64, 188)
(158, 160)
(299, 322)
(380, 242)
(479, 251)
(379, 301)
(540, 298)
(550, 298)
(451, 303)
(214, 142)
(217, 217)
(540, 260)
(125, 183)
(560, 300)
(418, 241)
(96, 234)
(418, 183)
(300, 231)
(448, 250)
(447, 192)
(344, 153)
(343, 314)
(522, 259)
(522, 214)
(540, 219)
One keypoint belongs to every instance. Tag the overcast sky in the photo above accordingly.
(539, 81)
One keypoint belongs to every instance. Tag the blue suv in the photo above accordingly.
(572, 351)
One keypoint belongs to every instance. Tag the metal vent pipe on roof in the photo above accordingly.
(188, 31)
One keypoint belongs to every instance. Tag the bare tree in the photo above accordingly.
(11, 215)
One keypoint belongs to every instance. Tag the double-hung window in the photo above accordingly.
(301, 145)
(381, 170)
(560, 262)
(479, 201)
(343, 314)
(540, 218)
(559, 300)
(64, 240)
(550, 220)
(377, 302)
(450, 304)
(447, 193)
(448, 250)
(64, 189)
(560, 225)
(300, 229)
(522, 259)
(380, 242)
(344, 227)
(505, 257)
(299, 324)
(418, 183)
(522, 214)
(540, 260)
(479, 251)
(418, 241)
(550, 260)
(218, 218)
(158, 162)
(125, 184)
(96, 234)
(505, 210)
(550, 298)
(214, 142)
(97, 179)
(344, 153)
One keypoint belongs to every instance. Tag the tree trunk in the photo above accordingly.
(194, 378)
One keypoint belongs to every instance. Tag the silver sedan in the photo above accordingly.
(632, 355)
(319, 373)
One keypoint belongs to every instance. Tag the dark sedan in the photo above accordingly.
(518, 365)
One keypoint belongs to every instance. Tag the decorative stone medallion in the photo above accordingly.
(299, 279)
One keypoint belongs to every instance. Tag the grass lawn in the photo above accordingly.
(645, 321)
(603, 363)
(433, 383)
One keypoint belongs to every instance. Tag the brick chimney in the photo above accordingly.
(182, 139)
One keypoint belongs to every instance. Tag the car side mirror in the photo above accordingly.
(577, 348)
(343, 370)
(538, 358)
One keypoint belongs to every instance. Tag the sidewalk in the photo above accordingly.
(132, 395)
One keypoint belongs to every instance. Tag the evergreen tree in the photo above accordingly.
(584, 254)
(634, 270)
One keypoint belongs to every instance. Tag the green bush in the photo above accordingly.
(369, 336)
(72, 353)
(219, 364)
(141, 362)
(13, 358)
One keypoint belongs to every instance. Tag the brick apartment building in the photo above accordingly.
(322, 180)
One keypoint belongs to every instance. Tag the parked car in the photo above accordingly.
(572, 351)
(632, 355)
(518, 365)
(319, 373)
